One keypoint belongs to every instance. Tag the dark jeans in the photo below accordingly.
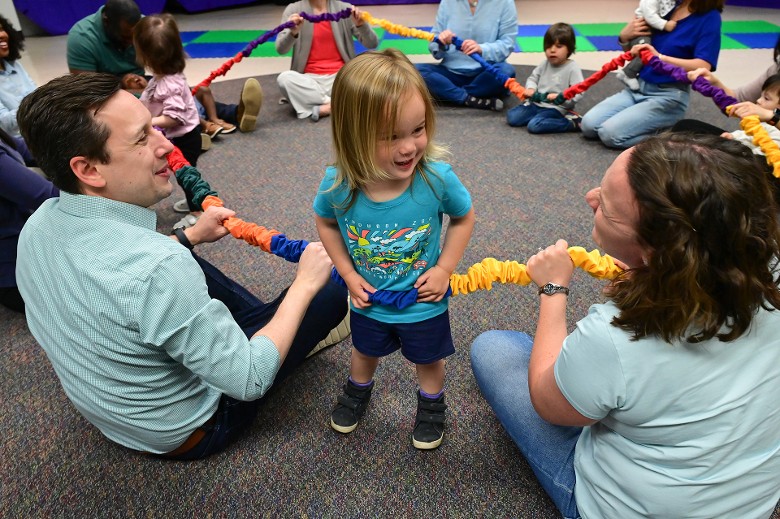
(227, 113)
(538, 119)
(456, 88)
(11, 298)
(233, 416)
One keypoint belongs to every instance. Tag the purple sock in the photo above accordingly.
(361, 384)
(432, 397)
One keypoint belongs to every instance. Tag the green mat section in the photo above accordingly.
(599, 29)
(228, 36)
(754, 26)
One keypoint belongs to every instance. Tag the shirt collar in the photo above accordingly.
(98, 207)
(9, 68)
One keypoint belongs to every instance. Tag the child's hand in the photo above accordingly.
(432, 285)
(700, 72)
(528, 93)
(670, 25)
(357, 287)
(727, 135)
(356, 17)
(552, 96)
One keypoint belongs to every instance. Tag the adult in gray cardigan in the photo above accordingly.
(319, 50)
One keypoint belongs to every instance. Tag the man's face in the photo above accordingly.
(120, 33)
(137, 172)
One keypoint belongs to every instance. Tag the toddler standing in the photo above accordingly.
(379, 215)
(554, 75)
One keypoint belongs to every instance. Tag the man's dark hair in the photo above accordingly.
(116, 11)
(57, 121)
(15, 39)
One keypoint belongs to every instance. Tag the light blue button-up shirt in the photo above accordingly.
(15, 84)
(124, 315)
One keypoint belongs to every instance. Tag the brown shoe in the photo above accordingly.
(226, 126)
(211, 129)
(249, 105)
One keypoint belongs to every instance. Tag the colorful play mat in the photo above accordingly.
(755, 34)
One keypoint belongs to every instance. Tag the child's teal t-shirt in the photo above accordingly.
(392, 243)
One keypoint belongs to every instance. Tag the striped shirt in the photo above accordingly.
(124, 315)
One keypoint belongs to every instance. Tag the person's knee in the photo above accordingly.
(283, 79)
(507, 69)
(613, 137)
(514, 116)
(536, 126)
(481, 346)
(588, 127)
(425, 69)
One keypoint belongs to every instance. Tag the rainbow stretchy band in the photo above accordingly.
(203, 197)
(246, 51)
(482, 275)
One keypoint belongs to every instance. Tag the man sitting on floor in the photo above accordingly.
(103, 42)
(148, 340)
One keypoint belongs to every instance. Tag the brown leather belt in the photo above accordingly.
(193, 439)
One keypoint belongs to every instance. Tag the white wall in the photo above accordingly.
(8, 10)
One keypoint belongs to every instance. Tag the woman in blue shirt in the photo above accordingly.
(21, 192)
(15, 83)
(488, 28)
(629, 117)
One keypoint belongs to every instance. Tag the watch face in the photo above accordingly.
(552, 288)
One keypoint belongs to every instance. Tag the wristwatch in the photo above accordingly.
(549, 289)
(775, 117)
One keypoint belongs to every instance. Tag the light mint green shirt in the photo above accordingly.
(124, 315)
(684, 430)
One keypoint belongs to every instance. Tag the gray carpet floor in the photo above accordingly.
(528, 191)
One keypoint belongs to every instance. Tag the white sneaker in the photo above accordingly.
(336, 335)
(181, 206)
(630, 82)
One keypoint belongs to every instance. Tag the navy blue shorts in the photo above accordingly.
(423, 342)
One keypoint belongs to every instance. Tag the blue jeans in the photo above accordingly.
(226, 112)
(629, 117)
(233, 416)
(538, 119)
(500, 363)
(446, 85)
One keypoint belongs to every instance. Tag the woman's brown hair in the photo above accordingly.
(707, 213)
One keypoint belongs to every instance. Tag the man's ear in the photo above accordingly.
(87, 173)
